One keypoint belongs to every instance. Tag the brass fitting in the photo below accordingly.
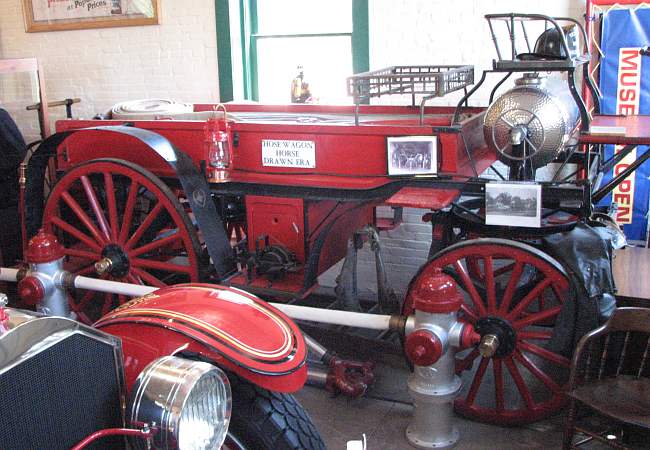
(103, 266)
(489, 345)
(22, 180)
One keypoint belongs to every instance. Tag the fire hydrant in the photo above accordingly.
(431, 346)
(41, 285)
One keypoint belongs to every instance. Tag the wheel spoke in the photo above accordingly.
(556, 359)
(128, 211)
(95, 206)
(476, 382)
(108, 303)
(86, 270)
(470, 288)
(498, 384)
(536, 371)
(537, 317)
(520, 383)
(147, 277)
(133, 279)
(528, 299)
(473, 269)
(539, 335)
(467, 361)
(489, 285)
(505, 269)
(159, 265)
(146, 223)
(85, 299)
(112, 204)
(81, 254)
(74, 206)
(470, 315)
(517, 270)
(557, 293)
(72, 231)
(167, 240)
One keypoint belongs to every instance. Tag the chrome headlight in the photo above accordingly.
(188, 402)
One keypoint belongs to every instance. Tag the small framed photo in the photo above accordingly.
(513, 204)
(412, 155)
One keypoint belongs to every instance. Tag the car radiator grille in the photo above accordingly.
(60, 395)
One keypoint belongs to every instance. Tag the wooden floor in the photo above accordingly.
(632, 273)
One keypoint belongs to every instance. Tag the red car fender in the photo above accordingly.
(231, 328)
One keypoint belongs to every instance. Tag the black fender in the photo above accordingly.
(193, 182)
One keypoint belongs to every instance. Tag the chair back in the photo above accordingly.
(620, 347)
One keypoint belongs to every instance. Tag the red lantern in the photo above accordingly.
(217, 145)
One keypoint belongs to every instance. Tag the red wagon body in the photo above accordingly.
(290, 206)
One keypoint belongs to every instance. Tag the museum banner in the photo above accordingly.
(625, 84)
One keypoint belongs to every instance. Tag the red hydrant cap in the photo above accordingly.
(31, 290)
(423, 348)
(469, 337)
(43, 248)
(437, 293)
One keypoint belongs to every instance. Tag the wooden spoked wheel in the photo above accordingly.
(516, 292)
(114, 211)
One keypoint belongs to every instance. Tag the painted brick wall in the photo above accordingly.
(176, 59)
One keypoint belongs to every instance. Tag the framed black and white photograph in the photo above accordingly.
(515, 205)
(412, 155)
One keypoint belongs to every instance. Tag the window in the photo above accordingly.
(262, 43)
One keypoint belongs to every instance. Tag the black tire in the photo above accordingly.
(262, 419)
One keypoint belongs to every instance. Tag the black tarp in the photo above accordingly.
(586, 253)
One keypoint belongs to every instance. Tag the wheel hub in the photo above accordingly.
(114, 261)
(505, 334)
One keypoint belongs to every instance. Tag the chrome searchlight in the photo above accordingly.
(187, 402)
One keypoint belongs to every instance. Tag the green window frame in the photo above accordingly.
(249, 38)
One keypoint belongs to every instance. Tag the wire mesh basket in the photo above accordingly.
(430, 81)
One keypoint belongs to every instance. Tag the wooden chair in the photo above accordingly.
(610, 377)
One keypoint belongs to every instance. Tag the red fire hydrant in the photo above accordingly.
(42, 285)
(431, 345)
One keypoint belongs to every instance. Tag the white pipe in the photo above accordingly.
(334, 317)
(329, 316)
(7, 274)
(112, 287)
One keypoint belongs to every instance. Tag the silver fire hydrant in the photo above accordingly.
(42, 283)
(431, 346)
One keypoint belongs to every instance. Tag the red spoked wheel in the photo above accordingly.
(514, 291)
(117, 213)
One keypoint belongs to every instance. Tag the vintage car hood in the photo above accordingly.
(247, 331)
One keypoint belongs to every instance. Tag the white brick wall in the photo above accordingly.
(176, 59)
(404, 32)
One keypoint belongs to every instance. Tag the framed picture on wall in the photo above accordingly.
(55, 15)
